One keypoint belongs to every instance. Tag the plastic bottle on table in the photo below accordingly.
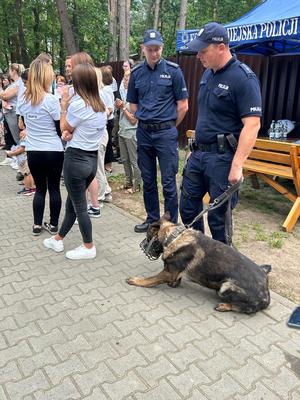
(272, 130)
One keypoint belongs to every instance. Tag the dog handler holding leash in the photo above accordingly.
(229, 111)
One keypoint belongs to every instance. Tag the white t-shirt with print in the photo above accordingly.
(89, 125)
(40, 126)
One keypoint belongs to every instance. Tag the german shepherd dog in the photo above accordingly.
(240, 283)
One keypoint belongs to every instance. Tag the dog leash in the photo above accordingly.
(152, 248)
(219, 201)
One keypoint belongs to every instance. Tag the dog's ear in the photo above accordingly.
(166, 216)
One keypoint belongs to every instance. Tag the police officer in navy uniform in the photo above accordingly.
(158, 98)
(229, 111)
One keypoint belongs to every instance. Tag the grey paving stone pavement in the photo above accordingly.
(76, 330)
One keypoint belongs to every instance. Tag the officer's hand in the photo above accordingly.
(235, 175)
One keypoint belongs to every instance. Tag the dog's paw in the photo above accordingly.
(223, 307)
(132, 281)
(143, 282)
(174, 284)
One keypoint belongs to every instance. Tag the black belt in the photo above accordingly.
(211, 147)
(158, 126)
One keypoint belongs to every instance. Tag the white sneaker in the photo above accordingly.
(14, 166)
(6, 161)
(56, 245)
(81, 253)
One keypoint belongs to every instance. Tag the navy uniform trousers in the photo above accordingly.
(162, 146)
(206, 172)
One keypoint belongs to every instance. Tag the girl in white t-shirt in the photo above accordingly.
(83, 121)
(10, 95)
(45, 153)
(107, 91)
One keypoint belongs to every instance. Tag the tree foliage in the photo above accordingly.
(28, 27)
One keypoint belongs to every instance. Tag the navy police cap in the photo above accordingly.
(211, 33)
(152, 38)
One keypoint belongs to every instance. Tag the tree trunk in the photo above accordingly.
(112, 28)
(14, 52)
(156, 14)
(21, 38)
(215, 12)
(36, 30)
(66, 27)
(8, 39)
(61, 54)
(128, 5)
(75, 24)
(183, 12)
(149, 14)
(123, 44)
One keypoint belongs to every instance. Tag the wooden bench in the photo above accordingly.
(268, 160)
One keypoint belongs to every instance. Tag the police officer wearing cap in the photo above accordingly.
(229, 111)
(158, 98)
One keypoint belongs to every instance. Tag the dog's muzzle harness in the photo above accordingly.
(153, 249)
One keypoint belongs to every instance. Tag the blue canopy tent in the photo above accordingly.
(270, 28)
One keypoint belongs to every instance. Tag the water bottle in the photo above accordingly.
(272, 130)
(278, 129)
(284, 130)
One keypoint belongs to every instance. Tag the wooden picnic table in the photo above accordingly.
(274, 161)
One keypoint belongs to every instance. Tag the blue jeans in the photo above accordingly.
(161, 146)
(206, 172)
(79, 170)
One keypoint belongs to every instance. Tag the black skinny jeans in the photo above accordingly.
(80, 168)
(109, 154)
(45, 168)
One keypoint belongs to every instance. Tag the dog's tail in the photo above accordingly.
(266, 267)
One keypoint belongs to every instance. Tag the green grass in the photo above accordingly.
(274, 239)
(265, 199)
(119, 178)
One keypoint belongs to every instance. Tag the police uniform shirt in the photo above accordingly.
(40, 126)
(225, 97)
(156, 91)
(89, 125)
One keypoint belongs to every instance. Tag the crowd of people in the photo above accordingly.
(65, 126)
(58, 129)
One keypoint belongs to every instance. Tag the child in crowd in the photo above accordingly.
(2, 141)
(60, 84)
(20, 154)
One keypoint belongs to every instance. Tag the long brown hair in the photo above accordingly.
(39, 80)
(107, 77)
(86, 86)
(81, 58)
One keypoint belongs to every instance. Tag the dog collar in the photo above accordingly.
(174, 235)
